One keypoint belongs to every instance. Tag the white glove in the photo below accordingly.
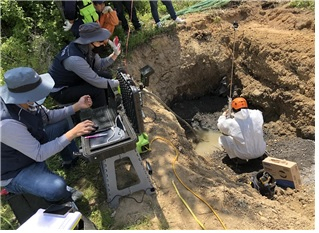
(67, 25)
(107, 9)
(113, 83)
(116, 49)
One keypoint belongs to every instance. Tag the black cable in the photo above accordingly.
(152, 189)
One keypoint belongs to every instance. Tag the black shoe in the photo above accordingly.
(69, 164)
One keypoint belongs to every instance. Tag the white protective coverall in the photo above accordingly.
(243, 134)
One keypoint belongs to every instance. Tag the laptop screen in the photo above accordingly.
(102, 117)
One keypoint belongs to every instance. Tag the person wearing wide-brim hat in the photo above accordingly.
(79, 70)
(31, 133)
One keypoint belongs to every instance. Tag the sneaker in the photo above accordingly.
(76, 194)
(73, 205)
(179, 20)
(158, 24)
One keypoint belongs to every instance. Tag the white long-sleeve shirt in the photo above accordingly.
(243, 134)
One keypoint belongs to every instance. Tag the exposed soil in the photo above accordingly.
(274, 60)
(274, 69)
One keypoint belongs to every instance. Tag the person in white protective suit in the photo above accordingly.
(243, 133)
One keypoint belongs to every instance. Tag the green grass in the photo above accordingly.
(8, 220)
(143, 223)
(303, 4)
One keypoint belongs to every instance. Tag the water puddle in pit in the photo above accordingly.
(208, 143)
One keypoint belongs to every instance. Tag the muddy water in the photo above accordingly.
(202, 113)
(208, 143)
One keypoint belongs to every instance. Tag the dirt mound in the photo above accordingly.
(273, 66)
(274, 70)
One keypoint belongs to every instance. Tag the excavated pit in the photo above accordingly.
(274, 63)
(273, 69)
(276, 77)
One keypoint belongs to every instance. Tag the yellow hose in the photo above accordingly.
(187, 206)
(173, 165)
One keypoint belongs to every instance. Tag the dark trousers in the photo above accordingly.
(169, 7)
(72, 94)
(118, 5)
(75, 28)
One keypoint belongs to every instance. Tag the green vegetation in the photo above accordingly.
(31, 35)
(307, 4)
(31, 32)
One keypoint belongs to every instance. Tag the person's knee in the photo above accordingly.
(104, 73)
(60, 98)
(57, 191)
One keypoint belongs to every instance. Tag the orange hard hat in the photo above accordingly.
(239, 103)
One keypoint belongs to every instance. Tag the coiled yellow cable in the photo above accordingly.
(173, 165)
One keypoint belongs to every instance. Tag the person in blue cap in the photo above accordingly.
(31, 134)
(79, 70)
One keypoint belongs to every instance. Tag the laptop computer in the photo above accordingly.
(109, 136)
(103, 117)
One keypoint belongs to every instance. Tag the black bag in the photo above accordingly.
(25, 205)
(264, 183)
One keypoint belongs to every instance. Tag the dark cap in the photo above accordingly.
(92, 32)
